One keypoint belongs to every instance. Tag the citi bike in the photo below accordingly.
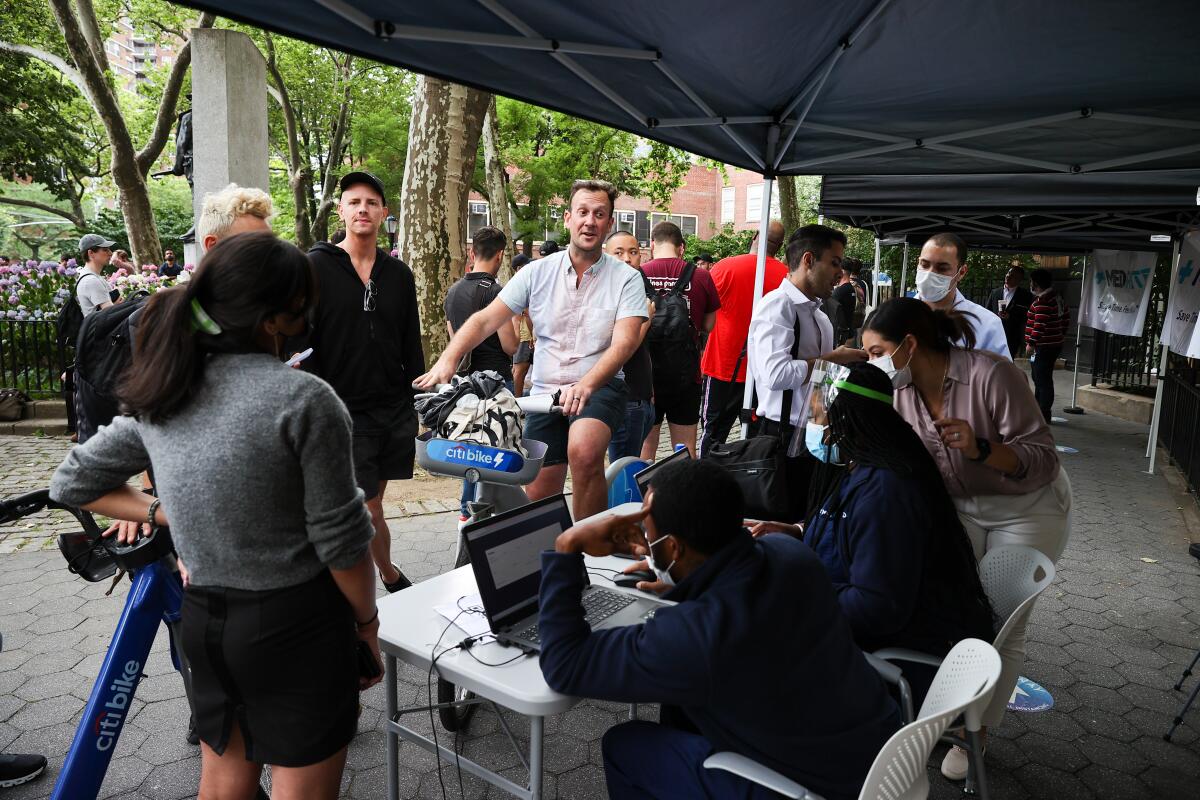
(155, 596)
(499, 476)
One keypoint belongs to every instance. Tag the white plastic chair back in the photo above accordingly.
(965, 680)
(1009, 576)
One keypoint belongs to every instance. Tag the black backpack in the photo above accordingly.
(672, 341)
(103, 351)
(70, 319)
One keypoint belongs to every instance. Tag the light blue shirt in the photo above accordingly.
(988, 327)
(573, 325)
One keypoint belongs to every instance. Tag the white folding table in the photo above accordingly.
(408, 629)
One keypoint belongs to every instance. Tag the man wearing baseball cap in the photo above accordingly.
(366, 341)
(91, 289)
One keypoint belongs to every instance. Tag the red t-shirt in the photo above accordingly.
(700, 294)
(734, 279)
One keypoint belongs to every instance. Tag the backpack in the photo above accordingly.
(672, 341)
(103, 350)
(859, 317)
(70, 319)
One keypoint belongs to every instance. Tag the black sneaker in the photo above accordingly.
(400, 583)
(18, 769)
(193, 738)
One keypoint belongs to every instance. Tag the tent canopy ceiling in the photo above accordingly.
(857, 87)
(1045, 212)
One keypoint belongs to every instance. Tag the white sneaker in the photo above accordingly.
(954, 765)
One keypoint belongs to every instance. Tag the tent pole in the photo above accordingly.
(760, 275)
(1074, 407)
(875, 277)
(903, 270)
(1152, 444)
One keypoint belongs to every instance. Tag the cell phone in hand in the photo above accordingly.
(296, 359)
(368, 667)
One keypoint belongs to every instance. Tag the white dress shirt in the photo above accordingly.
(988, 327)
(1009, 291)
(769, 349)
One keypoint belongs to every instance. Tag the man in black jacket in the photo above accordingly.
(756, 658)
(1011, 303)
(366, 341)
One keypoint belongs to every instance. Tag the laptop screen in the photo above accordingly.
(506, 556)
(643, 478)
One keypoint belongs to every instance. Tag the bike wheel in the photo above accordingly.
(454, 718)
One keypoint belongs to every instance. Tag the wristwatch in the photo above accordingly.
(985, 449)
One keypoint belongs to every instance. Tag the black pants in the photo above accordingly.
(1042, 370)
(720, 402)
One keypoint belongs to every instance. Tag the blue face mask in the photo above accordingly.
(814, 440)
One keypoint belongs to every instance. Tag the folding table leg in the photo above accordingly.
(392, 742)
(535, 758)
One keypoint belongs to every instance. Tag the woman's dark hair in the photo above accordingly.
(241, 281)
(870, 432)
(699, 502)
(932, 328)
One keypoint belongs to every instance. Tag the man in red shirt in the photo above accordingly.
(677, 369)
(724, 363)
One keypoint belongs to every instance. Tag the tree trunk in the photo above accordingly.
(789, 202)
(496, 186)
(299, 173)
(337, 147)
(443, 139)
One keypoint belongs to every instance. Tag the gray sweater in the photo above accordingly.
(255, 475)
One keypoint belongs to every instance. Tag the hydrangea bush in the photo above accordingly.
(37, 290)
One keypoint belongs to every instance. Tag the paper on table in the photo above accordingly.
(472, 621)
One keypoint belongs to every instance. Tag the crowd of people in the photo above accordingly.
(914, 440)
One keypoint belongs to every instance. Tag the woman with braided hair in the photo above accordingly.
(887, 531)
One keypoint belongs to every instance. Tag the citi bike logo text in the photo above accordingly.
(112, 713)
(469, 456)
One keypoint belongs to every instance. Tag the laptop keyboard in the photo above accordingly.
(598, 605)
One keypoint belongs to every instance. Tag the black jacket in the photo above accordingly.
(370, 358)
(756, 654)
(1018, 309)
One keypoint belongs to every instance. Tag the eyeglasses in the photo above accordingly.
(369, 296)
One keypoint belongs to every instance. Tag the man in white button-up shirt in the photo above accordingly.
(587, 310)
(940, 269)
(814, 258)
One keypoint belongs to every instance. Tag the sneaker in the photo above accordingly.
(18, 769)
(400, 583)
(954, 765)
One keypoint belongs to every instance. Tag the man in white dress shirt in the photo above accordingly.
(814, 259)
(940, 269)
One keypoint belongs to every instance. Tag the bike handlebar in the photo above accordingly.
(22, 506)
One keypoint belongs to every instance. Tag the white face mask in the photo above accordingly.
(663, 575)
(933, 286)
(901, 376)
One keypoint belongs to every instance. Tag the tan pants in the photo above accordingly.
(1041, 520)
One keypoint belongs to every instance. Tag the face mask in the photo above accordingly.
(814, 440)
(901, 376)
(933, 286)
(663, 575)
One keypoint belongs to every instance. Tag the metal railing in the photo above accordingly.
(1179, 426)
(30, 358)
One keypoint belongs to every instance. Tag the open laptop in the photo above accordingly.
(642, 479)
(506, 558)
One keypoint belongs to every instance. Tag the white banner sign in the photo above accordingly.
(1117, 292)
(1180, 332)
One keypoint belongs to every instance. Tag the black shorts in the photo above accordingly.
(680, 404)
(606, 404)
(524, 354)
(384, 446)
(281, 664)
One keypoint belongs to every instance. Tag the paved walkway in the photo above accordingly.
(1109, 639)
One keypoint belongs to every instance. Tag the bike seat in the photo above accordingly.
(477, 462)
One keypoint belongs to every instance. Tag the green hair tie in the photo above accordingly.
(201, 321)
(864, 391)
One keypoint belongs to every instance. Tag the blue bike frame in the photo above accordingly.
(156, 595)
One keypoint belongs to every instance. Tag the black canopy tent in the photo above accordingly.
(860, 87)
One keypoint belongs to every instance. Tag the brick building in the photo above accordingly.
(701, 206)
(131, 54)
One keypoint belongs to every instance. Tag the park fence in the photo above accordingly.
(1179, 427)
(30, 358)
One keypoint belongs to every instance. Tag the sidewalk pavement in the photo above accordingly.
(1108, 640)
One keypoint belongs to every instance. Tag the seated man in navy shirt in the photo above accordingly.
(755, 658)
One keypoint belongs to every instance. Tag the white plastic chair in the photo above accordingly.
(1010, 577)
(963, 686)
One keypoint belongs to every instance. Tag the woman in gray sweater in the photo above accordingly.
(252, 463)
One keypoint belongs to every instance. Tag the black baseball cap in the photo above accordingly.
(353, 178)
(547, 247)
